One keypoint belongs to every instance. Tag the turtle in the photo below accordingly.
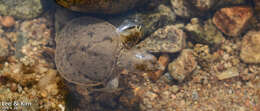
(89, 52)
(91, 62)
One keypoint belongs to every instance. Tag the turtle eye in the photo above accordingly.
(126, 25)
(139, 56)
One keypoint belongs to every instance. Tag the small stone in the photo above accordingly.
(233, 20)
(195, 95)
(166, 78)
(168, 39)
(163, 62)
(43, 93)
(129, 99)
(52, 89)
(14, 87)
(174, 88)
(4, 49)
(7, 21)
(48, 83)
(19, 88)
(204, 5)
(229, 73)
(183, 8)
(183, 65)
(250, 52)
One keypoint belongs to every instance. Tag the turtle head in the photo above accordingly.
(139, 61)
(130, 33)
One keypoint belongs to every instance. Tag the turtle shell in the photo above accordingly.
(101, 6)
(86, 51)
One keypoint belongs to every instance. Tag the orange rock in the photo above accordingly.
(163, 62)
(231, 21)
(7, 21)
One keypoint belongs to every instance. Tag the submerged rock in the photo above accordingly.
(227, 74)
(183, 8)
(204, 32)
(7, 21)
(22, 9)
(204, 5)
(167, 39)
(250, 52)
(163, 62)
(183, 65)
(101, 6)
(233, 20)
(194, 8)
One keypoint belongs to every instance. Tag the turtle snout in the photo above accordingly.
(139, 60)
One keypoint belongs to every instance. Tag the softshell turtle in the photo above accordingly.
(88, 52)
(101, 6)
(95, 60)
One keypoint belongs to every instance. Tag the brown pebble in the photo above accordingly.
(43, 93)
(124, 72)
(7, 21)
(163, 61)
(13, 87)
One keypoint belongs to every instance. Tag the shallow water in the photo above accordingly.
(202, 55)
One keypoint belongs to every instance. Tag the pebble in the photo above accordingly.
(14, 87)
(48, 84)
(163, 62)
(250, 52)
(4, 49)
(204, 5)
(168, 39)
(174, 88)
(183, 65)
(7, 21)
(232, 20)
(182, 8)
(229, 73)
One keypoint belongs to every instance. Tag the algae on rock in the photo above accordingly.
(23, 9)
(204, 33)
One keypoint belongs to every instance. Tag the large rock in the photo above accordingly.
(205, 5)
(250, 52)
(232, 20)
(204, 32)
(101, 6)
(23, 9)
(183, 65)
(188, 8)
(168, 39)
